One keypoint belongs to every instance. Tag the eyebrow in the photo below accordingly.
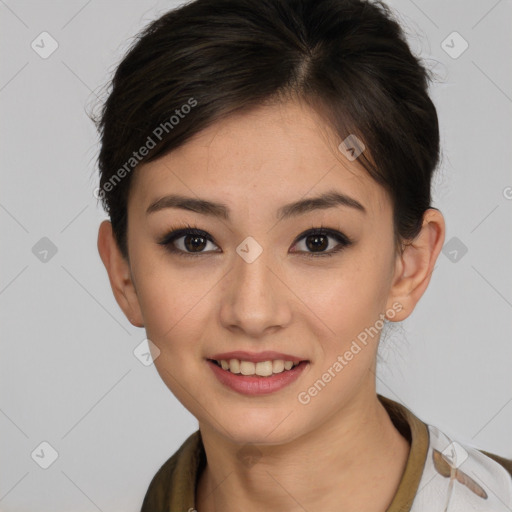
(326, 200)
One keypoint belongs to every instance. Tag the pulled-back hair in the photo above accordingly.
(207, 59)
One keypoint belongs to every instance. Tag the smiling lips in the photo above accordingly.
(263, 364)
(261, 368)
(256, 373)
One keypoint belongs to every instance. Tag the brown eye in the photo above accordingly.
(194, 243)
(187, 241)
(316, 241)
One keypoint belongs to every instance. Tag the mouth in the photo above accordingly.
(262, 364)
(262, 375)
(266, 368)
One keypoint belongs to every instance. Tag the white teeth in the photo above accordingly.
(234, 365)
(262, 368)
(278, 366)
(247, 368)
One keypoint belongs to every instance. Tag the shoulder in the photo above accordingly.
(506, 463)
(441, 470)
(173, 483)
(470, 478)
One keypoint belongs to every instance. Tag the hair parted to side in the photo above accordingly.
(208, 59)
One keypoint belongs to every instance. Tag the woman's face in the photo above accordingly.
(259, 284)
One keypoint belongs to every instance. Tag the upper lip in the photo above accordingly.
(256, 357)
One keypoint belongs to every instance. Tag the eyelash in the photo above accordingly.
(180, 231)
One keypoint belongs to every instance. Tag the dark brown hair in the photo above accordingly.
(207, 59)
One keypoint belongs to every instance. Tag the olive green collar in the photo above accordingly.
(174, 485)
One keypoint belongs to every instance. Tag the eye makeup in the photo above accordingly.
(192, 234)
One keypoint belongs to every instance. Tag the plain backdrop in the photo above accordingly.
(69, 375)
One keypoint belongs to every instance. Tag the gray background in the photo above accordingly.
(68, 372)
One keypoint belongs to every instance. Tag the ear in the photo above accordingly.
(119, 274)
(414, 267)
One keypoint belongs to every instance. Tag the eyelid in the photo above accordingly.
(175, 233)
(343, 241)
(341, 237)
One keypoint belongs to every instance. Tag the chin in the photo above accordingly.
(258, 426)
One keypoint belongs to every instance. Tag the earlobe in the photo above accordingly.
(119, 274)
(415, 265)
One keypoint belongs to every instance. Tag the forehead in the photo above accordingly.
(272, 154)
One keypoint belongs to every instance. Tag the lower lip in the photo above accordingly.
(254, 384)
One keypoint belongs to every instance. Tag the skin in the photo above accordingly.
(340, 451)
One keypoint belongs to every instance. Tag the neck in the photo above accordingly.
(352, 462)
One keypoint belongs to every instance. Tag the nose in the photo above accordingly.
(255, 297)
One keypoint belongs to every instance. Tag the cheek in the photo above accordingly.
(351, 312)
(350, 294)
(172, 302)
(350, 301)
(174, 321)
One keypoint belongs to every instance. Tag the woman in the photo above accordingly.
(267, 170)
